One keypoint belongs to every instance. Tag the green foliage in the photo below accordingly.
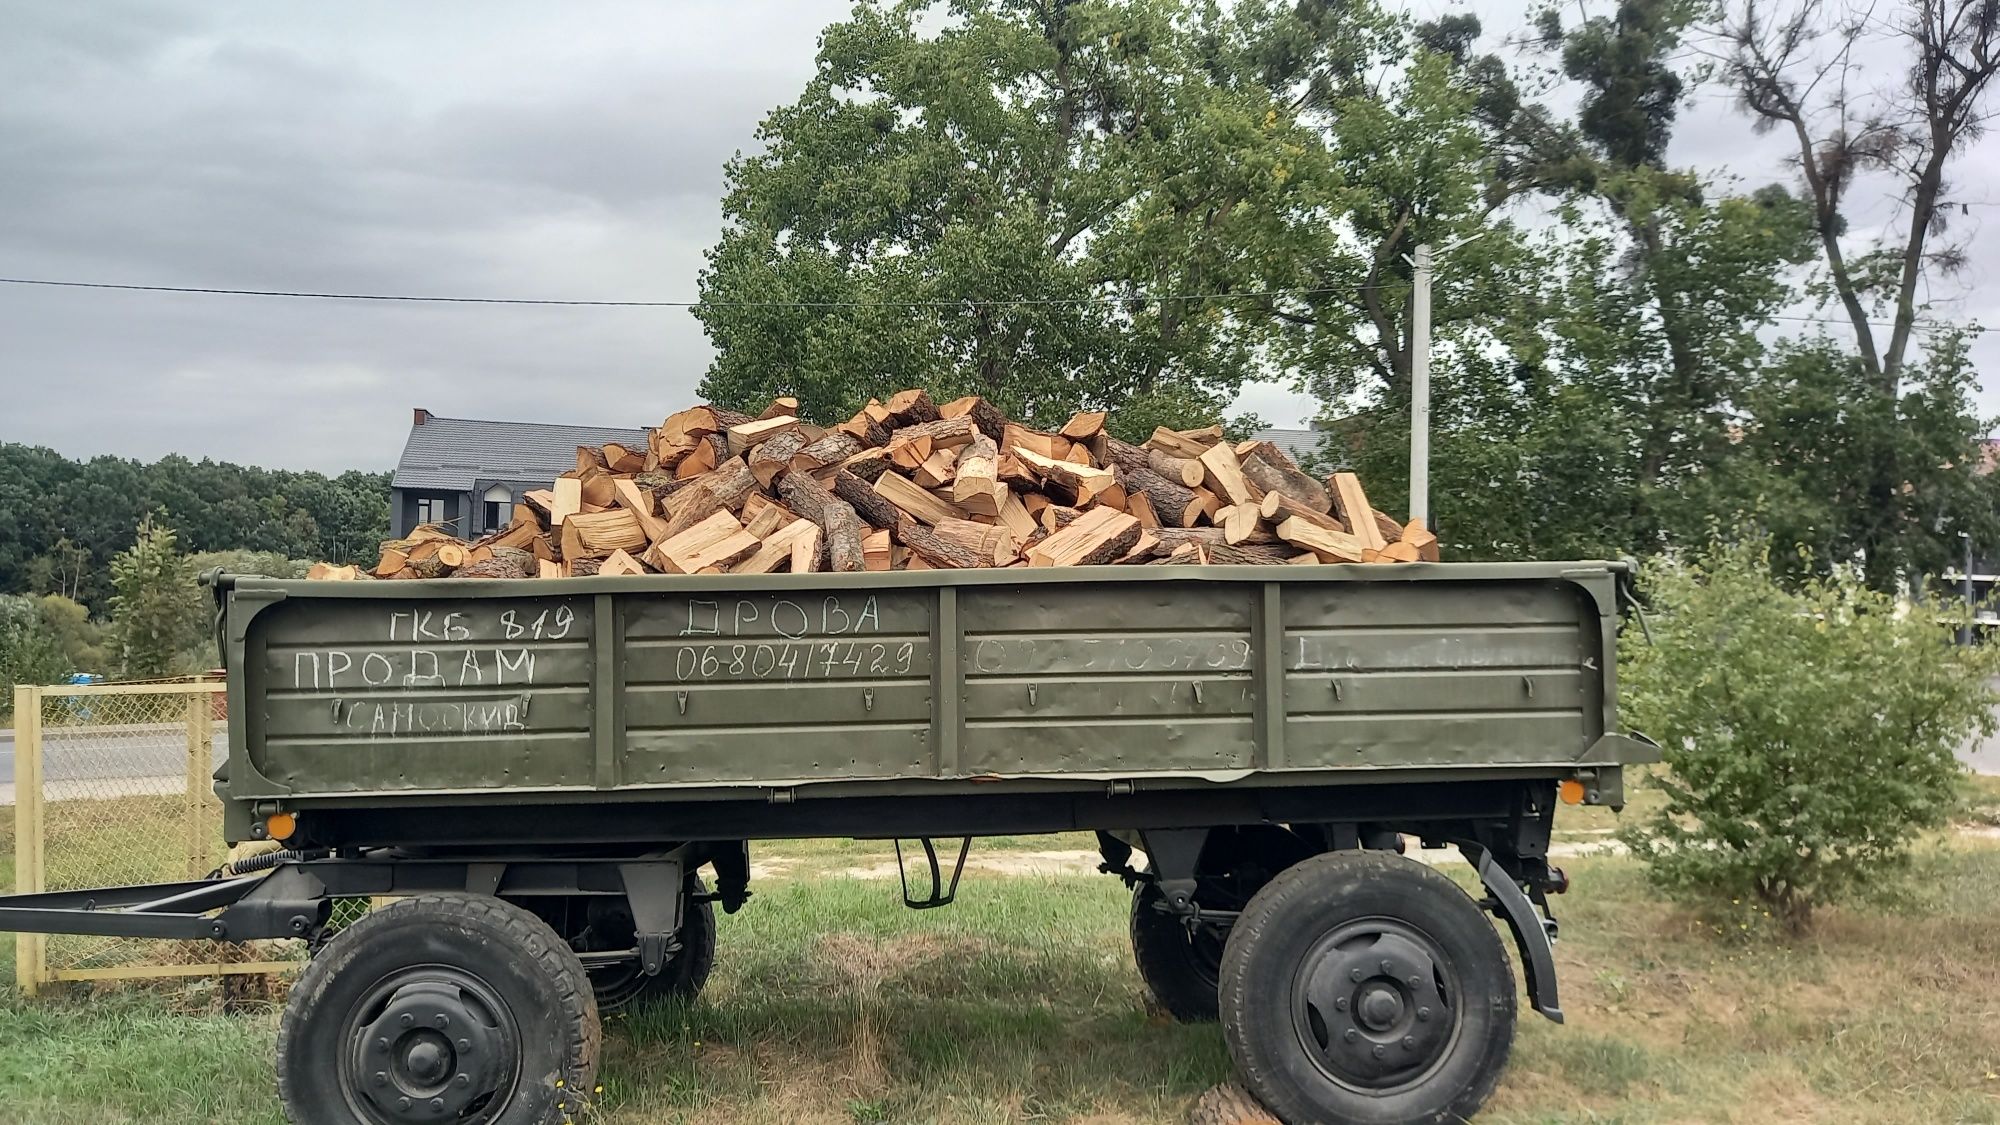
(155, 604)
(30, 652)
(1033, 178)
(1827, 463)
(61, 521)
(83, 642)
(1808, 733)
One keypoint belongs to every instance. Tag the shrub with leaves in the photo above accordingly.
(29, 652)
(1809, 733)
(156, 607)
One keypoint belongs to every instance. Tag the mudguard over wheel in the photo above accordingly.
(1366, 989)
(442, 1007)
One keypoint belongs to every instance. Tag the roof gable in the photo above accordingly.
(449, 454)
(1297, 444)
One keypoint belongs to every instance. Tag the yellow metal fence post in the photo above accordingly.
(199, 739)
(29, 949)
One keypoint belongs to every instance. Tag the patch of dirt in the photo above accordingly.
(999, 863)
(863, 963)
(1230, 1104)
(773, 867)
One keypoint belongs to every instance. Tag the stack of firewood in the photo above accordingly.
(908, 484)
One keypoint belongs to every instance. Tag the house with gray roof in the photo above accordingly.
(465, 473)
(1301, 446)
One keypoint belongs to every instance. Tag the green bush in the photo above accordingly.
(156, 611)
(29, 652)
(1809, 734)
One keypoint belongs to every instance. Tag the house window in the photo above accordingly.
(498, 499)
(430, 509)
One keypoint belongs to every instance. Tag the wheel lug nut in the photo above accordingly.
(437, 1105)
(1356, 976)
(381, 1078)
(1415, 982)
(442, 1020)
(1423, 1013)
(408, 1020)
(1340, 1003)
(402, 1103)
(1409, 1042)
(1378, 1050)
(1351, 1035)
(463, 1080)
(382, 1044)
(465, 1046)
(1388, 966)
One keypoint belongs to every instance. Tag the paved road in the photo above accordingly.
(1984, 756)
(119, 762)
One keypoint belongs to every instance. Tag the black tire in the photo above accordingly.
(1180, 969)
(1330, 1013)
(622, 986)
(444, 1007)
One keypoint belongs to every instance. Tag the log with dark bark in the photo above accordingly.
(910, 408)
(1268, 468)
(773, 458)
(835, 517)
(868, 503)
(1173, 504)
(1250, 554)
(835, 447)
(944, 433)
(984, 415)
(938, 550)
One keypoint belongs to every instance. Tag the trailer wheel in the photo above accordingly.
(1366, 988)
(442, 1007)
(622, 984)
(1181, 969)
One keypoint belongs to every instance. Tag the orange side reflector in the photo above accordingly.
(280, 826)
(1571, 792)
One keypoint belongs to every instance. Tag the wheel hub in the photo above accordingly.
(432, 1052)
(1369, 1007)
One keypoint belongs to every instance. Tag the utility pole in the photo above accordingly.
(1965, 583)
(1420, 387)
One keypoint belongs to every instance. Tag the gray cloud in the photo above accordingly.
(489, 149)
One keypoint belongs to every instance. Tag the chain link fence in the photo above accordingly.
(110, 786)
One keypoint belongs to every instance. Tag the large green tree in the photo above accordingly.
(1053, 203)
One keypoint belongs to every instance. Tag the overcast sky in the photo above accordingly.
(567, 150)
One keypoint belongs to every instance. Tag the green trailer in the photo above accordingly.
(555, 783)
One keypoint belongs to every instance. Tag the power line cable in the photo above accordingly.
(957, 303)
(1105, 300)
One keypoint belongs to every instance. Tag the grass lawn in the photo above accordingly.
(830, 1003)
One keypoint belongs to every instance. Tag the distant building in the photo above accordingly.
(1301, 445)
(466, 474)
(1985, 573)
